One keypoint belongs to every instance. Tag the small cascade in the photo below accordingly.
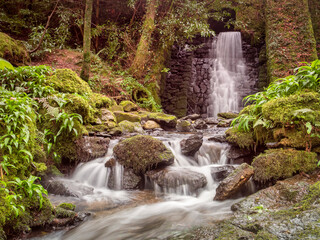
(228, 73)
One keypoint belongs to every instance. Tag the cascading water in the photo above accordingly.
(227, 74)
(175, 209)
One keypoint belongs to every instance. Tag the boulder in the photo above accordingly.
(230, 185)
(224, 123)
(221, 138)
(238, 155)
(89, 148)
(211, 121)
(184, 126)
(67, 188)
(116, 108)
(228, 115)
(277, 164)
(192, 117)
(121, 116)
(128, 106)
(130, 127)
(221, 172)
(13, 50)
(150, 125)
(200, 124)
(171, 177)
(191, 145)
(142, 153)
(130, 180)
(166, 121)
(107, 115)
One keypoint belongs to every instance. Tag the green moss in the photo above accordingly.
(67, 81)
(264, 235)
(228, 115)
(97, 100)
(282, 111)
(130, 127)
(64, 213)
(241, 139)
(67, 206)
(163, 119)
(79, 104)
(277, 164)
(142, 153)
(313, 197)
(128, 106)
(116, 108)
(12, 50)
(121, 116)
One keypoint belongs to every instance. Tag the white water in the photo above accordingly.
(227, 73)
(176, 209)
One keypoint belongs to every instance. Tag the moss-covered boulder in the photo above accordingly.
(115, 108)
(184, 126)
(142, 153)
(228, 115)
(122, 116)
(240, 138)
(130, 127)
(128, 106)
(12, 50)
(287, 110)
(67, 81)
(97, 100)
(150, 125)
(277, 164)
(79, 104)
(165, 120)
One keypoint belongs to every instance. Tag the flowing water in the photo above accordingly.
(227, 74)
(170, 210)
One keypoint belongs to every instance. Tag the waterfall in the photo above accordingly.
(227, 73)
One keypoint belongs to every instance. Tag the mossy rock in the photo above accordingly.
(128, 106)
(165, 120)
(12, 50)
(277, 164)
(64, 213)
(130, 127)
(79, 104)
(67, 81)
(228, 115)
(121, 116)
(286, 110)
(239, 138)
(117, 108)
(67, 206)
(97, 100)
(142, 153)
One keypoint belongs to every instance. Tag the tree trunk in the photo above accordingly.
(142, 54)
(87, 41)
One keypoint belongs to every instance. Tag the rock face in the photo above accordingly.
(173, 178)
(191, 145)
(89, 148)
(230, 185)
(142, 153)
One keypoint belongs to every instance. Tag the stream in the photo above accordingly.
(153, 213)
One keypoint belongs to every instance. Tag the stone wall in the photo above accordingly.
(188, 82)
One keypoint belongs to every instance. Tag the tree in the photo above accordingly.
(87, 41)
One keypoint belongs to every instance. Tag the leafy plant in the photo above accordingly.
(11, 199)
(29, 188)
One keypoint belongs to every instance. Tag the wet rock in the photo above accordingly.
(150, 125)
(110, 163)
(230, 185)
(192, 117)
(166, 121)
(221, 138)
(66, 188)
(89, 148)
(174, 177)
(200, 124)
(221, 172)
(224, 123)
(130, 180)
(238, 155)
(142, 153)
(64, 218)
(273, 145)
(191, 145)
(184, 126)
(211, 121)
